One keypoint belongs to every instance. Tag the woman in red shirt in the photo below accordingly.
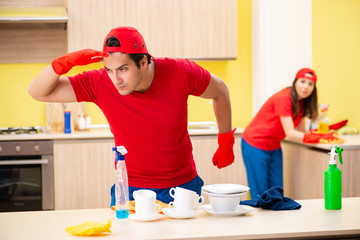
(282, 115)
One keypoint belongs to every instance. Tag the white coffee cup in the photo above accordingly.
(145, 202)
(181, 193)
(198, 200)
(185, 200)
(182, 206)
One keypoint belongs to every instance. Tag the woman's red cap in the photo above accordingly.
(302, 74)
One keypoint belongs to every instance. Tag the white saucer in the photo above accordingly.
(225, 188)
(170, 212)
(240, 210)
(140, 218)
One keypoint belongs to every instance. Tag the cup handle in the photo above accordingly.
(201, 200)
(172, 194)
(171, 204)
(135, 194)
(158, 207)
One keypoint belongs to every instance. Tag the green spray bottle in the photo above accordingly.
(332, 181)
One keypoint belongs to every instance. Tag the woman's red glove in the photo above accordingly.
(338, 125)
(64, 63)
(313, 137)
(224, 155)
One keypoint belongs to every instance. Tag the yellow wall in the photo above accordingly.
(17, 108)
(336, 59)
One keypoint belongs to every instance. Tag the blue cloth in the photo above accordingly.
(162, 194)
(273, 199)
(264, 169)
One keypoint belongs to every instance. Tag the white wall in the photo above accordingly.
(281, 45)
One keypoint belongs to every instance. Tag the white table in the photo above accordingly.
(311, 221)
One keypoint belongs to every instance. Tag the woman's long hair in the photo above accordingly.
(310, 103)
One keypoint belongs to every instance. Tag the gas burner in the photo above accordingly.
(30, 130)
(20, 130)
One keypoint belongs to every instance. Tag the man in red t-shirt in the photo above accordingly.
(145, 102)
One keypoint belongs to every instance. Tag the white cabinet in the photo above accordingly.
(204, 148)
(32, 32)
(201, 29)
(84, 170)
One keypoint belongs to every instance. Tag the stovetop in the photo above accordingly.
(22, 130)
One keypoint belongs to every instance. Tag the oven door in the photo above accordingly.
(21, 184)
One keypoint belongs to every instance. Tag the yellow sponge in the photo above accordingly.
(89, 228)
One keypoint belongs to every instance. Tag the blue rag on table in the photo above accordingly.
(273, 199)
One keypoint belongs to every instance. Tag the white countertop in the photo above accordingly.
(312, 220)
(351, 141)
(94, 133)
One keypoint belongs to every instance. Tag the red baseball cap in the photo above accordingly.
(302, 74)
(131, 41)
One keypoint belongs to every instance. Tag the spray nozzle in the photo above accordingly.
(335, 151)
(120, 152)
(338, 151)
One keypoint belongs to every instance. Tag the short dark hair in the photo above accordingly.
(137, 57)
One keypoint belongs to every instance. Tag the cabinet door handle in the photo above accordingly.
(24, 162)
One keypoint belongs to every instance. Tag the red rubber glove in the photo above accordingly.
(331, 137)
(224, 155)
(64, 63)
(338, 125)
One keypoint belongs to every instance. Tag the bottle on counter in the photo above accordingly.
(67, 122)
(332, 181)
(324, 121)
(81, 122)
(121, 183)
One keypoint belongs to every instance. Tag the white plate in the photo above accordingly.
(223, 195)
(140, 218)
(240, 210)
(170, 212)
(226, 188)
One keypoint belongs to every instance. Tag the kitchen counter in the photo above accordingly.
(351, 142)
(311, 221)
(304, 166)
(71, 152)
(95, 133)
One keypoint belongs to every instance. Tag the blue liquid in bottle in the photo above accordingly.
(122, 213)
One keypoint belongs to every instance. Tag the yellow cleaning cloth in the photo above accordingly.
(335, 140)
(89, 228)
(132, 206)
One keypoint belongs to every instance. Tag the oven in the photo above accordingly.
(26, 175)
